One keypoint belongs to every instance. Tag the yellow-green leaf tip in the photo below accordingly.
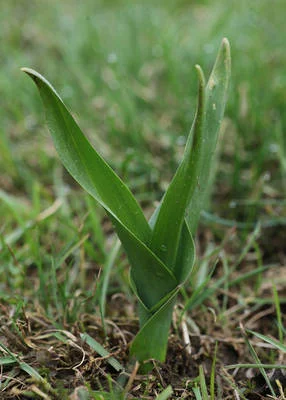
(226, 48)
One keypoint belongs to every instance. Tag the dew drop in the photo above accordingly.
(181, 140)
(163, 247)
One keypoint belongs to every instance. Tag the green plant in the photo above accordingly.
(161, 252)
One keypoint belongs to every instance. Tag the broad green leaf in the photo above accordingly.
(216, 96)
(186, 193)
(186, 251)
(170, 218)
(144, 311)
(86, 165)
(151, 277)
(186, 255)
(151, 341)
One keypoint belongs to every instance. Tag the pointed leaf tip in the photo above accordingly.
(201, 75)
(31, 72)
(225, 42)
(38, 79)
(226, 48)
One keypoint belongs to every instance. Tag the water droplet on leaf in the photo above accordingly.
(163, 247)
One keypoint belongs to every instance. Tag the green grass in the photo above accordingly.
(126, 70)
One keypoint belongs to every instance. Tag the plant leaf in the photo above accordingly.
(101, 351)
(85, 165)
(216, 96)
(162, 252)
(151, 340)
(186, 255)
(170, 218)
(152, 279)
(188, 189)
(278, 345)
(165, 394)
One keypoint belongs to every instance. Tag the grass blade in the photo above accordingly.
(197, 393)
(213, 371)
(278, 345)
(278, 313)
(265, 366)
(101, 351)
(165, 394)
(203, 384)
(25, 367)
(257, 361)
(7, 361)
(105, 280)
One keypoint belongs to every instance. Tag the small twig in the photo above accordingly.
(278, 383)
(186, 337)
(39, 392)
(73, 344)
(132, 377)
(120, 332)
(258, 316)
(50, 210)
(158, 373)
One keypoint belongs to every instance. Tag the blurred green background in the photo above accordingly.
(126, 70)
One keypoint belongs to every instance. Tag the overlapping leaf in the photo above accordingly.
(169, 222)
(215, 101)
(185, 194)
